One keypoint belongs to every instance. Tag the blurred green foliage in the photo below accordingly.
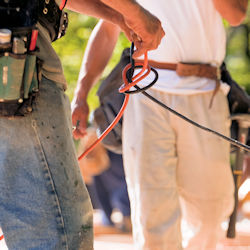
(238, 52)
(71, 49)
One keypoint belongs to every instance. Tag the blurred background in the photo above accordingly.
(71, 49)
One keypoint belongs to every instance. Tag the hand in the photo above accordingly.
(147, 32)
(144, 29)
(80, 112)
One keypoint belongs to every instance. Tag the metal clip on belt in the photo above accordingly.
(53, 18)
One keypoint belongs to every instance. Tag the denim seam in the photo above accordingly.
(34, 126)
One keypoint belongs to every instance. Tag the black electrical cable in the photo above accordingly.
(138, 89)
(232, 141)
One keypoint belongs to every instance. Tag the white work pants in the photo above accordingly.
(175, 170)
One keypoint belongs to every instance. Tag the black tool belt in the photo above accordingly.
(26, 13)
(20, 69)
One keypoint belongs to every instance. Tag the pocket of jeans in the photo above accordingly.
(11, 76)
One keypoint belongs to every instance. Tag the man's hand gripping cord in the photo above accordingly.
(129, 81)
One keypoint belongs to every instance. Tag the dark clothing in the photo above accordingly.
(109, 189)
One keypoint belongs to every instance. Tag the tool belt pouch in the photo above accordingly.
(18, 83)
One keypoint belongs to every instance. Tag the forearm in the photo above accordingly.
(104, 9)
(96, 9)
(97, 54)
(234, 11)
(139, 25)
(128, 8)
(103, 37)
(146, 28)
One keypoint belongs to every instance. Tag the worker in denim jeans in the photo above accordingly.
(43, 200)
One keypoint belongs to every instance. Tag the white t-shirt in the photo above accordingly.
(194, 33)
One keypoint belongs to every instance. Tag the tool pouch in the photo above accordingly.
(19, 82)
(19, 67)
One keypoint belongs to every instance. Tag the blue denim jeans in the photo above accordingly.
(44, 203)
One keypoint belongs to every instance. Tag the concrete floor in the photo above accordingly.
(117, 241)
(113, 240)
(125, 242)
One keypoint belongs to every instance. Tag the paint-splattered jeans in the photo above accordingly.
(43, 200)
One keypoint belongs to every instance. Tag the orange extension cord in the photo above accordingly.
(126, 86)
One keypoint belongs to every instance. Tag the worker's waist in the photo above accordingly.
(188, 69)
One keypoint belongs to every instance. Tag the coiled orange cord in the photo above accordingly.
(137, 78)
(126, 86)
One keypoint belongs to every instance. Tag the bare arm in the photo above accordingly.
(103, 37)
(234, 11)
(138, 24)
(95, 8)
(147, 30)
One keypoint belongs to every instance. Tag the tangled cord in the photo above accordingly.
(131, 81)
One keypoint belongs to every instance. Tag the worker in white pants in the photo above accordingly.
(173, 169)
(166, 157)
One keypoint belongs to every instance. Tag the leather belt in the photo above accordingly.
(191, 69)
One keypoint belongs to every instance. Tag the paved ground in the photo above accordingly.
(111, 240)
(124, 242)
(241, 242)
